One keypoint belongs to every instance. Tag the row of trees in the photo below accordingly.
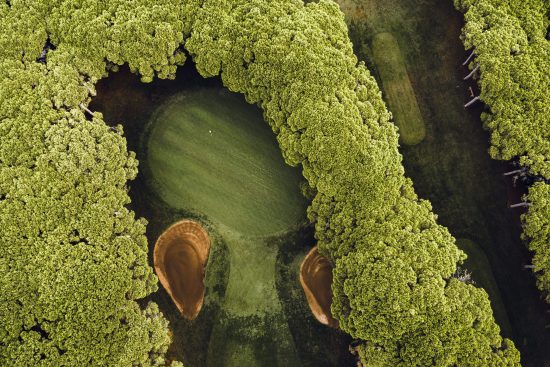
(511, 53)
(73, 258)
(393, 279)
(536, 230)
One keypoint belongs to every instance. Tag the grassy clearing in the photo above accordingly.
(255, 312)
(398, 89)
(211, 152)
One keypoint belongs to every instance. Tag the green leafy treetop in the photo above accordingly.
(536, 229)
(393, 286)
(510, 43)
(73, 258)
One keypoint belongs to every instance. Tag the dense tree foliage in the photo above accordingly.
(537, 231)
(509, 41)
(73, 259)
(393, 281)
(512, 53)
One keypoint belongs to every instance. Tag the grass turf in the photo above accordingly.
(397, 88)
(208, 151)
(227, 330)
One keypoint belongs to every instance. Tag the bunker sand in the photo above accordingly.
(316, 279)
(180, 256)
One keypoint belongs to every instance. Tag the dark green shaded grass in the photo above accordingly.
(397, 87)
(317, 345)
(482, 275)
(255, 341)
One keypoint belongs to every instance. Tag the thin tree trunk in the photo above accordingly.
(520, 205)
(90, 90)
(514, 172)
(468, 59)
(86, 109)
(474, 100)
(472, 72)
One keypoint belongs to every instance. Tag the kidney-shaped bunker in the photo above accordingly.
(180, 257)
(316, 280)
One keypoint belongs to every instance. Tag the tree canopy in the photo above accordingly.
(512, 51)
(74, 258)
(509, 41)
(393, 279)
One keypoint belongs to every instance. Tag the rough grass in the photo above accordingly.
(251, 287)
(397, 88)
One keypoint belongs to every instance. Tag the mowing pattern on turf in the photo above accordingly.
(398, 89)
(211, 152)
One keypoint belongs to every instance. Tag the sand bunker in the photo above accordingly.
(180, 257)
(316, 279)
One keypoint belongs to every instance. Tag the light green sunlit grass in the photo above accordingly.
(398, 89)
(211, 152)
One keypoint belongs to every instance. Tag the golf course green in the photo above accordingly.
(209, 153)
(206, 155)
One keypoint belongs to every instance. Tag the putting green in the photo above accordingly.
(211, 153)
(398, 89)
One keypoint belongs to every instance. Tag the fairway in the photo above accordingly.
(398, 89)
(208, 156)
(210, 153)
